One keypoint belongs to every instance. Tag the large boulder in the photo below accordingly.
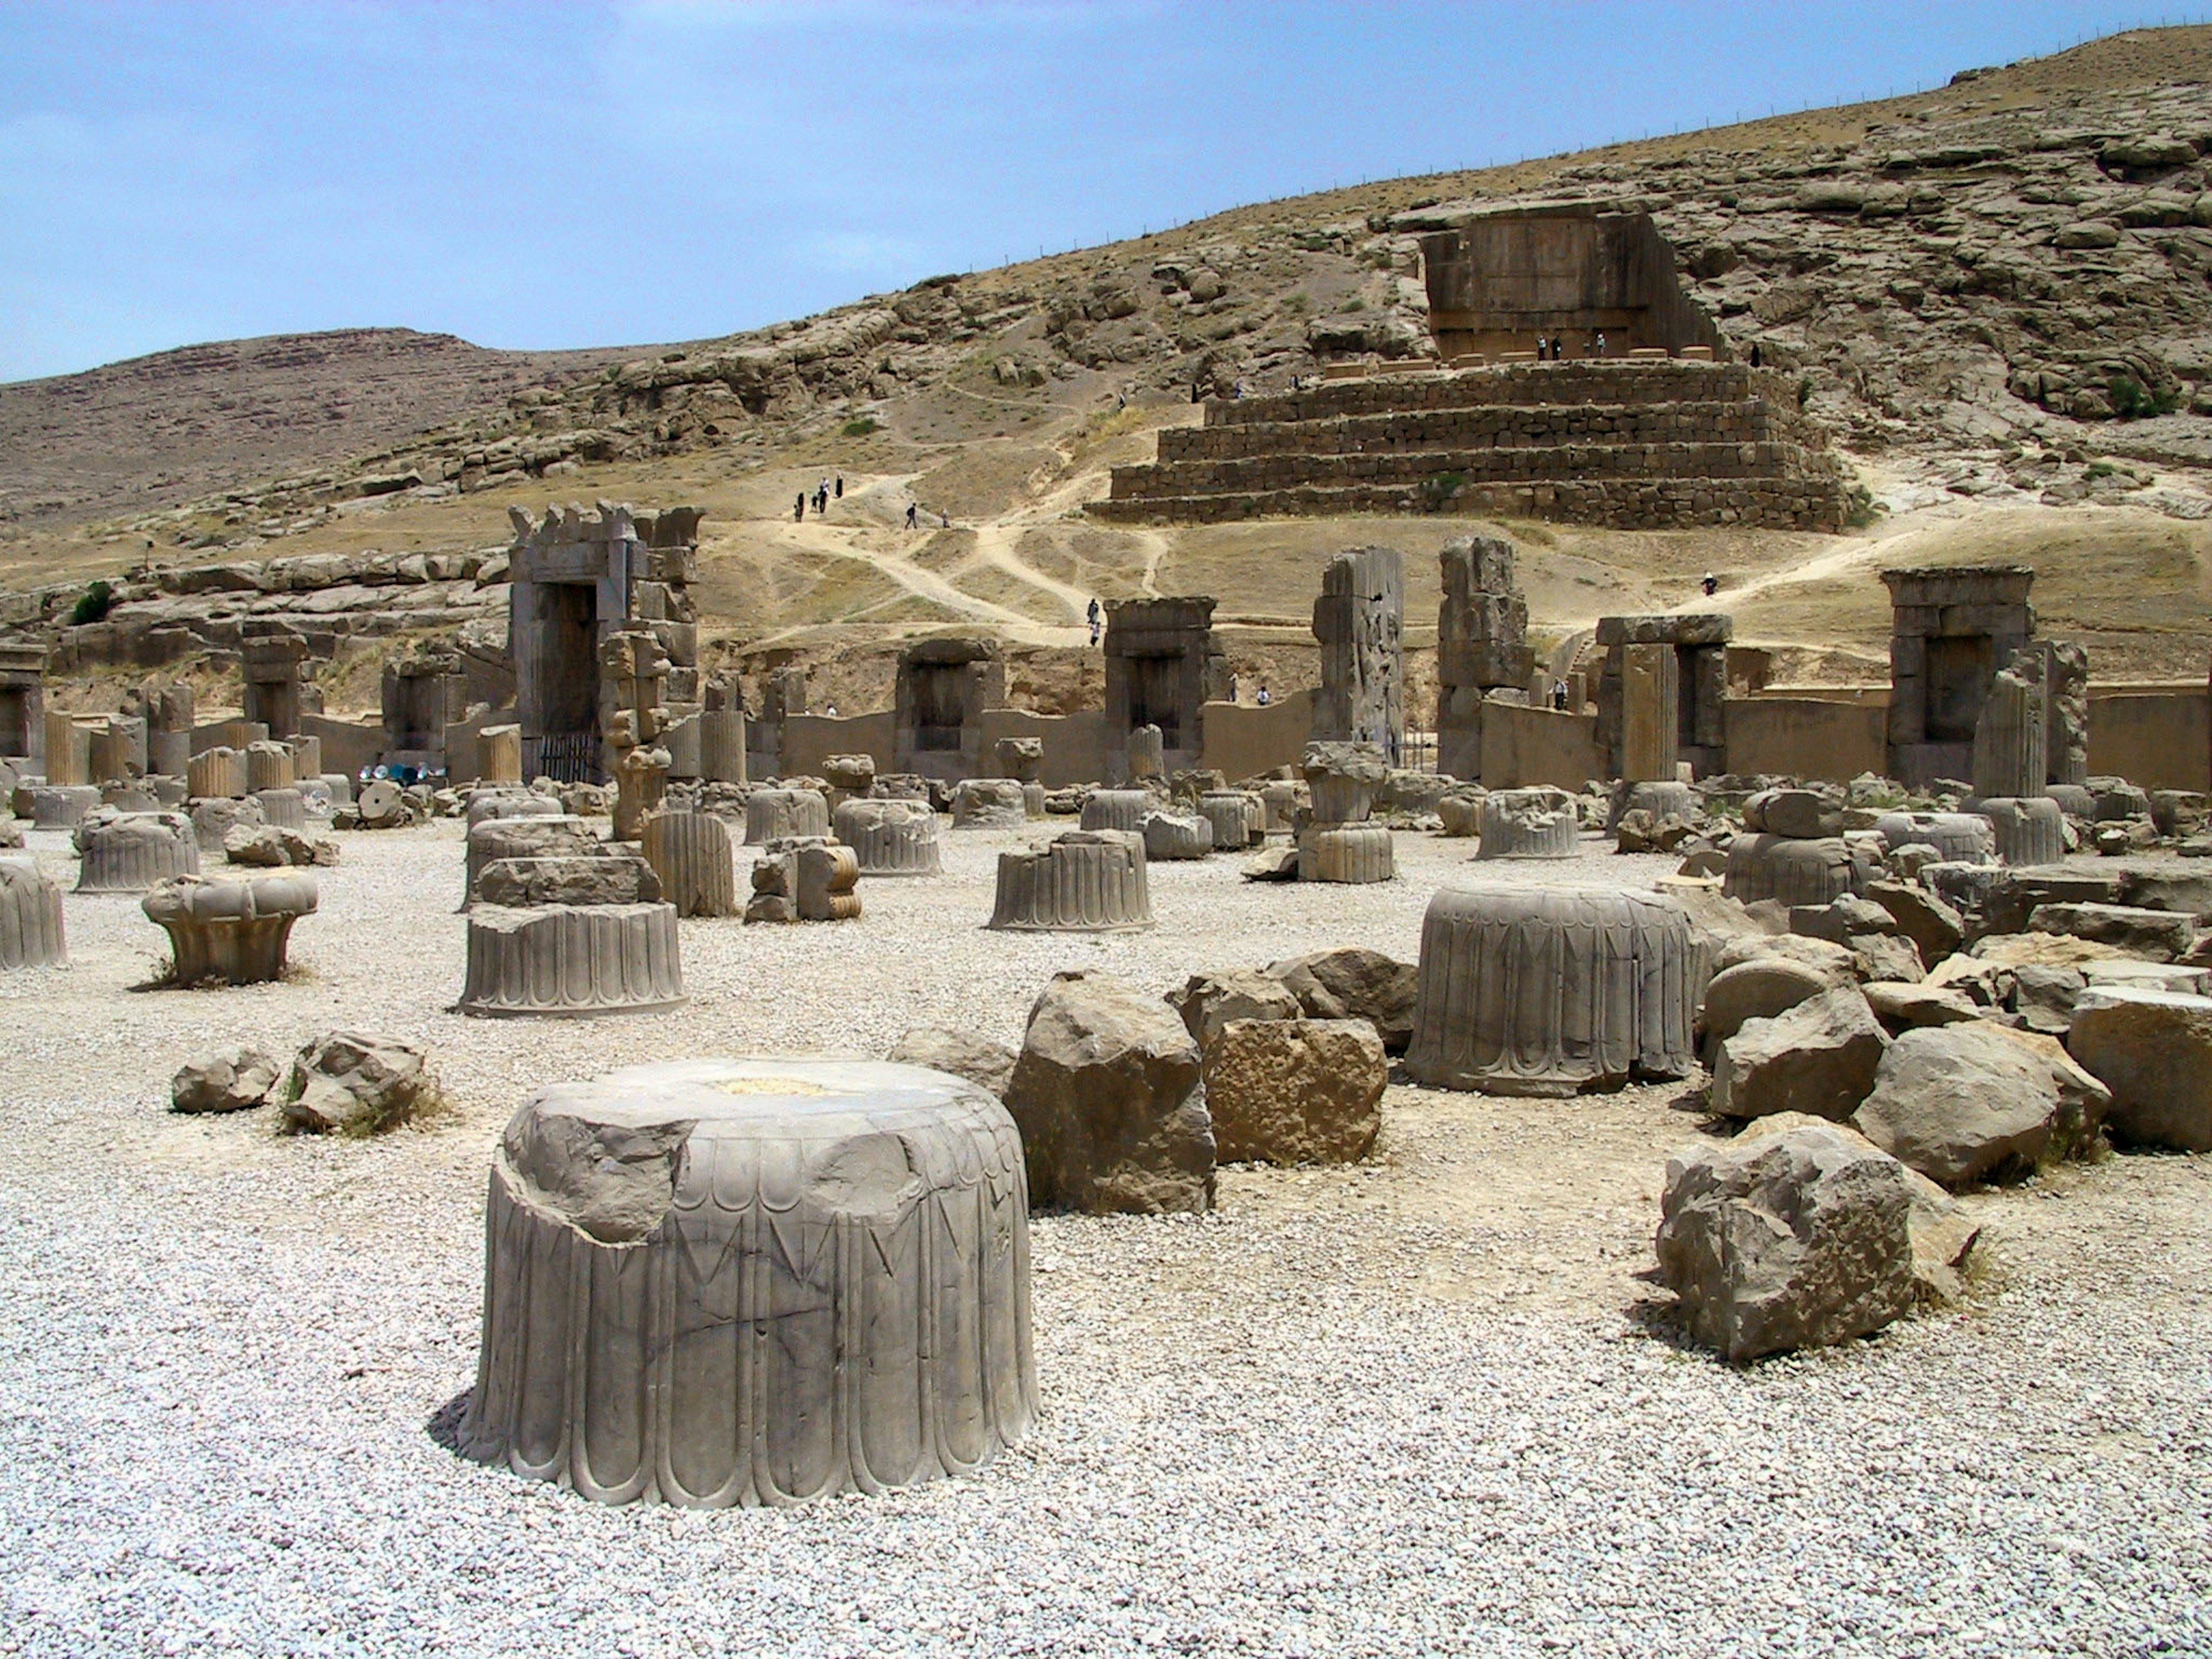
(1787, 1241)
(1355, 983)
(1976, 1102)
(1107, 1095)
(356, 1083)
(1818, 1057)
(1209, 1001)
(1294, 1090)
(1759, 989)
(237, 1081)
(2154, 935)
(1936, 929)
(1901, 1006)
(985, 1064)
(2153, 1049)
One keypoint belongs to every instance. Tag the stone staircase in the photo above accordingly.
(1636, 444)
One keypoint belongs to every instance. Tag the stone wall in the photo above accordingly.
(1806, 736)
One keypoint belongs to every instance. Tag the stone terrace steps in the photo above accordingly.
(1649, 443)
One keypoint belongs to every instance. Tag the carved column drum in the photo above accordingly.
(1236, 818)
(60, 806)
(232, 930)
(2027, 829)
(1957, 837)
(1352, 852)
(1177, 835)
(510, 801)
(1529, 824)
(1552, 993)
(555, 835)
(130, 852)
(215, 818)
(286, 808)
(268, 766)
(785, 815)
(692, 854)
(30, 917)
(723, 1282)
(1118, 809)
(989, 803)
(572, 961)
(1813, 871)
(216, 773)
(1083, 882)
(890, 837)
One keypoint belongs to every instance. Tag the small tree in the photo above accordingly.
(93, 606)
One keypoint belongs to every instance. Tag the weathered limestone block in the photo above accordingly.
(1118, 809)
(286, 808)
(848, 776)
(1974, 1102)
(264, 847)
(1354, 982)
(1550, 992)
(959, 1052)
(1294, 1090)
(384, 805)
(499, 753)
(1662, 799)
(1207, 1002)
(60, 806)
(2011, 754)
(1935, 929)
(213, 820)
(1349, 853)
(1020, 758)
(692, 854)
(268, 766)
(2029, 832)
(307, 758)
(2154, 935)
(1345, 779)
(236, 1081)
(1817, 1056)
(1787, 1241)
(235, 930)
(989, 803)
(131, 796)
(540, 835)
(1765, 987)
(890, 837)
(130, 852)
(509, 802)
(1529, 824)
(1177, 835)
(1238, 819)
(1282, 801)
(571, 960)
(216, 773)
(785, 815)
(1461, 816)
(31, 934)
(116, 750)
(2153, 1049)
(1792, 871)
(355, 1083)
(772, 1281)
(1797, 814)
(1107, 1096)
(1957, 837)
(609, 874)
(1147, 756)
(722, 745)
(1081, 882)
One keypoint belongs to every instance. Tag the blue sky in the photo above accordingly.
(553, 175)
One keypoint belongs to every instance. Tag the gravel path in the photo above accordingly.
(1421, 1405)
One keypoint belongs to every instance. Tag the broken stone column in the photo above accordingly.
(1238, 819)
(1529, 823)
(875, 1333)
(848, 776)
(634, 669)
(1650, 713)
(773, 815)
(525, 836)
(268, 766)
(234, 930)
(568, 936)
(691, 853)
(808, 880)
(1359, 620)
(499, 754)
(59, 806)
(117, 750)
(1117, 809)
(131, 852)
(31, 934)
(890, 837)
(1537, 993)
(1482, 627)
(2010, 754)
(989, 803)
(2027, 831)
(216, 774)
(722, 744)
(1084, 881)
(69, 751)
(1340, 844)
(1174, 835)
(2066, 712)
(273, 662)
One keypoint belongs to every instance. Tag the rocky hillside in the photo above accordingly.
(179, 424)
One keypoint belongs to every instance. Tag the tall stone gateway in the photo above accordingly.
(1650, 713)
(576, 579)
(1951, 630)
(23, 702)
(1482, 646)
(1163, 667)
(1359, 620)
(1699, 644)
(944, 686)
(274, 662)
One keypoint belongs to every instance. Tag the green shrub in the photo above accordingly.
(99, 599)
(1437, 493)
(862, 428)
(2134, 401)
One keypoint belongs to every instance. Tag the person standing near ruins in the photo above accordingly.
(913, 508)
(1754, 354)
(1093, 615)
(1601, 342)
(841, 486)
(1559, 696)
(1264, 699)
(798, 511)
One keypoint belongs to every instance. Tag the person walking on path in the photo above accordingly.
(1093, 614)
(799, 513)
(912, 508)
(1601, 342)
(841, 486)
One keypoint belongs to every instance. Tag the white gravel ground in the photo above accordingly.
(1422, 1406)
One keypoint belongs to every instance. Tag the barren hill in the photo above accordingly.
(155, 430)
(1996, 295)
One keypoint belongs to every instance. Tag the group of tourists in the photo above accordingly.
(1551, 349)
(823, 492)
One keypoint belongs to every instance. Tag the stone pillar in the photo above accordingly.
(633, 668)
(69, 750)
(1482, 629)
(169, 711)
(1359, 620)
(721, 746)
(117, 750)
(1650, 713)
(499, 754)
(2010, 754)
(2066, 712)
